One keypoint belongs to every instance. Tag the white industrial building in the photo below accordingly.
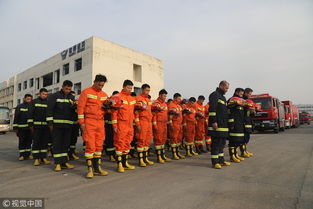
(306, 108)
(80, 63)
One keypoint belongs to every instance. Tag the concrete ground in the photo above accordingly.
(279, 176)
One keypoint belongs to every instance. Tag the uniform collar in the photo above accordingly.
(219, 90)
(125, 92)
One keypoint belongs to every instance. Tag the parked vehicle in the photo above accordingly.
(4, 119)
(291, 115)
(305, 118)
(272, 114)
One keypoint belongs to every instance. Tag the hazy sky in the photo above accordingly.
(265, 45)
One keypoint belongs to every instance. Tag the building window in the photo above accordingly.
(78, 64)
(31, 83)
(137, 90)
(137, 71)
(25, 85)
(78, 88)
(57, 76)
(47, 79)
(37, 83)
(66, 69)
(19, 87)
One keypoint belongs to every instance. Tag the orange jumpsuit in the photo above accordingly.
(200, 127)
(91, 113)
(160, 119)
(207, 137)
(143, 119)
(190, 124)
(175, 123)
(122, 120)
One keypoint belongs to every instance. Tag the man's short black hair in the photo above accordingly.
(169, 100)
(115, 92)
(237, 90)
(128, 83)
(162, 91)
(133, 94)
(68, 83)
(201, 97)
(100, 78)
(28, 95)
(223, 83)
(248, 90)
(176, 95)
(43, 90)
(144, 86)
(192, 99)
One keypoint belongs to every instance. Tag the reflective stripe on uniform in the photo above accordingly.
(103, 98)
(23, 109)
(92, 96)
(114, 121)
(214, 156)
(43, 150)
(41, 105)
(236, 134)
(40, 123)
(60, 155)
(221, 154)
(63, 121)
(89, 155)
(35, 151)
(30, 120)
(64, 101)
(248, 126)
(22, 125)
(231, 120)
(212, 113)
(24, 150)
(132, 102)
(110, 149)
(221, 101)
(218, 129)
(81, 116)
(49, 118)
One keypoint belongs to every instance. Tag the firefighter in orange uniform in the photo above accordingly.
(175, 125)
(208, 140)
(189, 124)
(143, 120)
(200, 127)
(160, 118)
(122, 121)
(91, 119)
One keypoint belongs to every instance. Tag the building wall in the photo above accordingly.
(7, 92)
(53, 64)
(117, 64)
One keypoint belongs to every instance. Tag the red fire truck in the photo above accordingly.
(291, 115)
(272, 114)
(305, 118)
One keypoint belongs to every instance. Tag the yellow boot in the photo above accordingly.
(237, 155)
(97, 167)
(112, 158)
(89, 174)
(178, 154)
(67, 165)
(232, 155)
(175, 157)
(120, 167)
(57, 167)
(226, 163)
(145, 158)
(36, 162)
(188, 152)
(217, 166)
(21, 158)
(45, 161)
(159, 156)
(166, 159)
(248, 153)
(193, 152)
(75, 157)
(140, 159)
(126, 165)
